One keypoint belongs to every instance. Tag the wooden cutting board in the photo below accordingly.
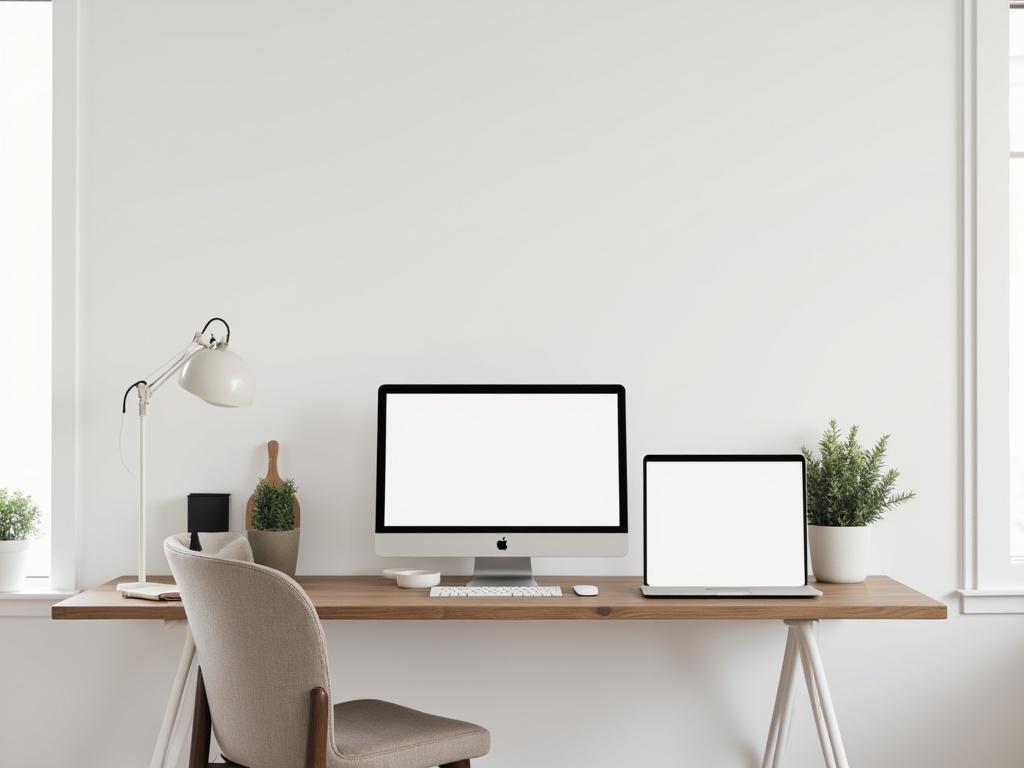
(273, 478)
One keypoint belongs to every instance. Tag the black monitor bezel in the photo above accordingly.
(386, 389)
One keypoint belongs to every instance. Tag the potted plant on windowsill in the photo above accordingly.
(274, 537)
(847, 491)
(19, 521)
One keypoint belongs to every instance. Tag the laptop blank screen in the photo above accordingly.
(724, 521)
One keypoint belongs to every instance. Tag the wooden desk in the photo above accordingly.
(378, 599)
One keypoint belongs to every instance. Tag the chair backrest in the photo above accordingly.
(259, 643)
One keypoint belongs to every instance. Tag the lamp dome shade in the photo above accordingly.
(218, 376)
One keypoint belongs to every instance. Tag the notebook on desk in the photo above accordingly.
(725, 526)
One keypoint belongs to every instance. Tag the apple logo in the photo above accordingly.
(502, 545)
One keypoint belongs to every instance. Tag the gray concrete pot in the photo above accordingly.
(277, 549)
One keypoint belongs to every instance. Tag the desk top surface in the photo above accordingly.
(378, 598)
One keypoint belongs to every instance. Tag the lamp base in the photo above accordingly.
(138, 585)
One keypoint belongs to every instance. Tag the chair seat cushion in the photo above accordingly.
(377, 734)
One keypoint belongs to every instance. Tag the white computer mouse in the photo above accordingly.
(585, 590)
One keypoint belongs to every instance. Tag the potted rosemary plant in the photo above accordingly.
(848, 489)
(19, 521)
(274, 537)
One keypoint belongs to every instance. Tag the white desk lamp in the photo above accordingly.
(209, 371)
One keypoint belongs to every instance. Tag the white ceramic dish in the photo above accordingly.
(418, 579)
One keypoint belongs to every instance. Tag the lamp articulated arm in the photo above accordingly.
(208, 370)
(146, 389)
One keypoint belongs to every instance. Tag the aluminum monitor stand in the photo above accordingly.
(502, 572)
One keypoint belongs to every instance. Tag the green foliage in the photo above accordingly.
(19, 517)
(846, 485)
(273, 506)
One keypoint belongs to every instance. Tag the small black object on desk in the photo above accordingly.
(208, 512)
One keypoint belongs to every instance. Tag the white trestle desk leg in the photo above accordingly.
(802, 642)
(821, 699)
(778, 733)
(816, 701)
(183, 722)
(177, 716)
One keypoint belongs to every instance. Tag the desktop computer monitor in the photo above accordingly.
(501, 473)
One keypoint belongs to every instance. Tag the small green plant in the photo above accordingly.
(846, 486)
(19, 517)
(273, 506)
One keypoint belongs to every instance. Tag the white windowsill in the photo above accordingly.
(992, 600)
(35, 599)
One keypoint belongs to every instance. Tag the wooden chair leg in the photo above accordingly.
(199, 754)
(316, 734)
(456, 764)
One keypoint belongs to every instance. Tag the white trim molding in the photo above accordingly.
(64, 439)
(1001, 600)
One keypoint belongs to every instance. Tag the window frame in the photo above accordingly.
(993, 582)
(27, 120)
(41, 593)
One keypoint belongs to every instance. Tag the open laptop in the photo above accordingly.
(725, 526)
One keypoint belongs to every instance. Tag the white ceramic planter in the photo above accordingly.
(840, 555)
(278, 549)
(13, 564)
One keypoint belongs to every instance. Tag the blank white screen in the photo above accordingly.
(501, 459)
(725, 524)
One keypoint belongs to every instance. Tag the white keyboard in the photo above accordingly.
(495, 591)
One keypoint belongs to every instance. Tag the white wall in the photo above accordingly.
(746, 213)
